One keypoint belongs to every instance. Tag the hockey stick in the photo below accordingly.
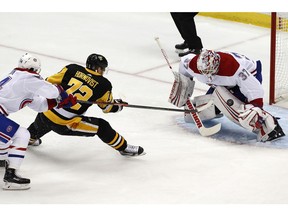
(148, 107)
(164, 53)
(202, 129)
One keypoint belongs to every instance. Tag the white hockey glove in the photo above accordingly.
(250, 117)
(182, 89)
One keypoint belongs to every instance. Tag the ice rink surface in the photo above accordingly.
(180, 166)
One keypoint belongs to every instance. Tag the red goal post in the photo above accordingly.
(279, 57)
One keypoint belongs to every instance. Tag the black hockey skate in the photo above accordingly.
(182, 46)
(276, 133)
(132, 151)
(35, 142)
(193, 51)
(14, 182)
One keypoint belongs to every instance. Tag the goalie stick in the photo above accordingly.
(150, 107)
(201, 128)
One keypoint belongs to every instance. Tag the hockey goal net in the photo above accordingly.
(279, 57)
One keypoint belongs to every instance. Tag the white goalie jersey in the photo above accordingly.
(23, 88)
(235, 69)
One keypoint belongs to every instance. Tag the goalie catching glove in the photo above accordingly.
(64, 100)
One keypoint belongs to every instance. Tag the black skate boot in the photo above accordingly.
(182, 46)
(35, 142)
(276, 133)
(14, 182)
(133, 151)
(193, 51)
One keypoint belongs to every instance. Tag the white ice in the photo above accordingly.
(180, 167)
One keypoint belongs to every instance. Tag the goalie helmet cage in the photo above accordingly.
(278, 57)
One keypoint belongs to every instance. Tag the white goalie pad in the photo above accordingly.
(247, 116)
(227, 103)
(182, 89)
(206, 114)
(204, 131)
(260, 122)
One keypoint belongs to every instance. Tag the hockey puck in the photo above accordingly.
(230, 102)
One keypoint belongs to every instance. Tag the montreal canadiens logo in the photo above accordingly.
(9, 128)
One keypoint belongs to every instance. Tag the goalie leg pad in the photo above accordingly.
(255, 119)
(227, 103)
(206, 114)
(261, 122)
(233, 109)
(251, 117)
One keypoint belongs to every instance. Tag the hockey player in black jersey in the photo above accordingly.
(87, 84)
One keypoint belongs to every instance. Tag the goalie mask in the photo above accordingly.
(32, 63)
(208, 63)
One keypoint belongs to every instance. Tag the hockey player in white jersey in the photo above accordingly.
(235, 88)
(24, 87)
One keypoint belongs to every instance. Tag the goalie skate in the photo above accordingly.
(276, 134)
(273, 135)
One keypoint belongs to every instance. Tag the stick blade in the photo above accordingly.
(199, 124)
(210, 131)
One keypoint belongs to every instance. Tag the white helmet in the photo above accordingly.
(208, 62)
(30, 62)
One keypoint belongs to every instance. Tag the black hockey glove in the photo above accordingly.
(121, 104)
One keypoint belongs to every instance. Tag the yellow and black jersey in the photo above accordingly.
(86, 85)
